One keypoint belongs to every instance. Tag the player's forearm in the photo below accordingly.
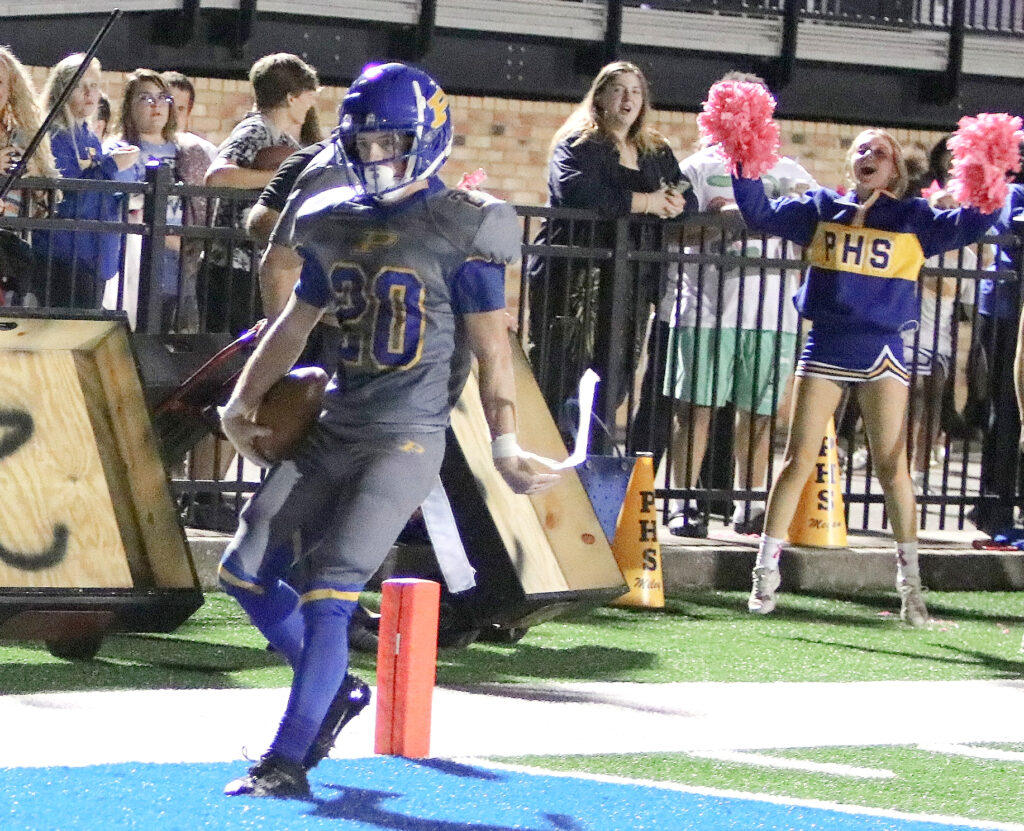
(279, 271)
(498, 395)
(276, 354)
(488, 338)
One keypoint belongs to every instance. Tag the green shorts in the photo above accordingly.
(730, 365)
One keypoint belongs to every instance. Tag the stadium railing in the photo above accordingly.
(586, 296)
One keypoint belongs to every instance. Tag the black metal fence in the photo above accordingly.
(690, 325)
(699, 372)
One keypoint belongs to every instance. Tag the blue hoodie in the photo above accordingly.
(864, 260)
(1000, 298)
(79, 155)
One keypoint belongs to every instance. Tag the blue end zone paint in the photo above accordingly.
(390, 793)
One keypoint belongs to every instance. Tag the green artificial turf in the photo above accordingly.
(702, 636)
(925, 782)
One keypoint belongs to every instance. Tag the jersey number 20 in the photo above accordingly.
(395, 299)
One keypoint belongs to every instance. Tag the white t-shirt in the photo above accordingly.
(931, 302)
(710, 179)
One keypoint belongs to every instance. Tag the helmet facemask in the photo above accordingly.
(385, 165)
(406, 109)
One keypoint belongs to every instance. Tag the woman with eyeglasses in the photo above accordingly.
(147, 120)
(80, 262)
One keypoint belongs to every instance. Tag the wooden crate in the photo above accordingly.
(91, 539)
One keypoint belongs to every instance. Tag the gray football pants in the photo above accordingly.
(339, 506)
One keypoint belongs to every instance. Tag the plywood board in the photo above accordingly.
(564, 511)
(34, 334)
(554, 538)
(513, 515)
(59, 529)
(147, 492)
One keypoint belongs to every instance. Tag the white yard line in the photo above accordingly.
(781, 763)
(517, 720)
(993, 753)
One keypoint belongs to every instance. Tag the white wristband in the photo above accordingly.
(505, 446)
(234, 408)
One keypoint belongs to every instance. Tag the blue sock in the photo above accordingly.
(272, 607)
(321, 667)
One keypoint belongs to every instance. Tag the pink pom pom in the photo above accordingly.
(738, 118)
(984, 149)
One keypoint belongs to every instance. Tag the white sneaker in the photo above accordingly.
(762, 595)
(912, 609)
(859, 461)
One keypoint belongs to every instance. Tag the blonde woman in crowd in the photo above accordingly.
(19, 121)
(81, 262)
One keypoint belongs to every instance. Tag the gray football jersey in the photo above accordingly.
(398, 277)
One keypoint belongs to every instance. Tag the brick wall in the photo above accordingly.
(509, 138)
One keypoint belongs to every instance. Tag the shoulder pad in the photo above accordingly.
(481, 225)
(498, 239)
(320, 202)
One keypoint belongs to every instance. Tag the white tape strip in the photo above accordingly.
(458, 574)
(507, 446)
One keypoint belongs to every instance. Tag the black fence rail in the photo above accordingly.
(699, 371)
(690, 325)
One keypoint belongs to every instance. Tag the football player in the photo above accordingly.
(414, 272)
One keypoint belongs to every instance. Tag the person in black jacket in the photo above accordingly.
(604, 158)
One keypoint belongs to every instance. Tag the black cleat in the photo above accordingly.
(272, 776)
(349, 702)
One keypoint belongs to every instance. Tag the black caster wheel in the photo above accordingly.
(81, 648)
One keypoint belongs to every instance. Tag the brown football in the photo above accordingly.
(290, 408)
(270, 158)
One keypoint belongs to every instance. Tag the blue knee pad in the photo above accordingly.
(272, 606)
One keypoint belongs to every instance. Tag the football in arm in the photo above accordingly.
(289, 409)
(271, 158)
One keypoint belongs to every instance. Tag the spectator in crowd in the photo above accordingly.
(929, 350)
(195, 155)
(81, 262)
(604, 158)
(859, 294)
(285, 89)
(998, 319)
(148, 121)
(280, 265)
(101, 121)
(734, 340)
(183, 91)
(19, 122)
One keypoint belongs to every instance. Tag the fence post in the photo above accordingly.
(615, 333)
(160, 178)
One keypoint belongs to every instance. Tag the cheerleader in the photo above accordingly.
(865, 250)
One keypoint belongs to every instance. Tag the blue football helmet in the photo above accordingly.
(396, 98)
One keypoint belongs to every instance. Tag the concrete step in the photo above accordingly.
(724, 561)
